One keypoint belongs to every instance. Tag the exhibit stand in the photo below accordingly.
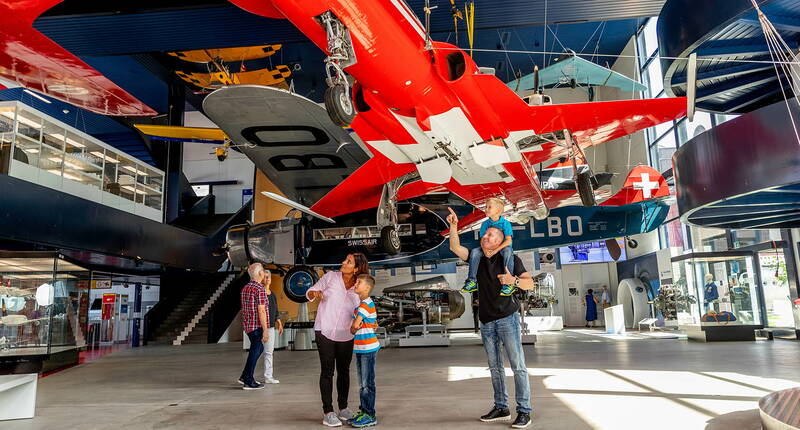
(18, 396)
(615, 319)
(547, 323)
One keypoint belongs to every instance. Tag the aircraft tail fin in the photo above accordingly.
(642, 183)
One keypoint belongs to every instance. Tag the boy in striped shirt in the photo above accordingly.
(366, 346)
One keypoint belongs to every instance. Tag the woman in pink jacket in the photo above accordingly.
(332, 333)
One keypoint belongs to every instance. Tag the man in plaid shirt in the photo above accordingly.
(255, 322)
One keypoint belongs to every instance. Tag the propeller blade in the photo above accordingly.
(613, 249)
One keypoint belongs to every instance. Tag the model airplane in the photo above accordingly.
(433, 120)
(572, 70)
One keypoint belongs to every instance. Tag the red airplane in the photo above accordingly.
(431, 116)
(29, 59)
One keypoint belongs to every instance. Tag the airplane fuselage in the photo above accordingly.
(422, 105)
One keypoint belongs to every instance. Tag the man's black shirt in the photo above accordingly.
(493, 306)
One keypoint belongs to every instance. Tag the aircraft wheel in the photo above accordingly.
(584, 185)
(390, 240)
(297, 281)
(339, 105)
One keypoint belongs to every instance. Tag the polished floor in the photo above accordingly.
(581, 380)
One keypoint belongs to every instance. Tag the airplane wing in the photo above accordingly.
(34, 61)
(183, 134)
(583, 71)
(289, 138)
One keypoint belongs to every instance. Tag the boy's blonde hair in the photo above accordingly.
(369, 279)
(497, 201)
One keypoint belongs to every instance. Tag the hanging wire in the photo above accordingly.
(544, 43)
(699, 60)
(778, 50)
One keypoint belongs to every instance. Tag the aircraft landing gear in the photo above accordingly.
(338, 100)
(387, 217)
(583, 180)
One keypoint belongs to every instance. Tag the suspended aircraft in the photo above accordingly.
(573, 71)
(434, 120)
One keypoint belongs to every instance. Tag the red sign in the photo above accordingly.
(108, 306)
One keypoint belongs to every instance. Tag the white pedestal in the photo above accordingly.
(17, 396)
(615, 319)
(553, 323)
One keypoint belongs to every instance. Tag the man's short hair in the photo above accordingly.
(255, 269)
(496, 228)
(369, 279)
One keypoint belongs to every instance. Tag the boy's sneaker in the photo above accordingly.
(365, 420)
(355, 417)
(523, 420)
(256, 386)
(507, 290)
(271, 381)
(496, 414)
(331, 420)
(470, 286)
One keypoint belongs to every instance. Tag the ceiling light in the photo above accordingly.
(101, 155)
(72, 142)
(133, 190)
(134, 170)
(22, 119)
(37, 96)
(31, 150)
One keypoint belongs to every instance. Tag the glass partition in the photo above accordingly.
(40, 305)
(719, 290)
(43, 150)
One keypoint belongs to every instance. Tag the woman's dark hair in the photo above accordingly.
(590, 291)
(362, 265)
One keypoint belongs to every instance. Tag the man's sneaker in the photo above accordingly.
(355, 417)
(256, 386)
(365, 420)
(496, 414)
(470, 286)
(345, 414)
(523, 420)
(507, 290)
(271, 381)
(331, 420)
(240, 381)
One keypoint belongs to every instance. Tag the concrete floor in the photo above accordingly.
(581, 380)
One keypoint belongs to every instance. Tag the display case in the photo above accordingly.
(40, 149)
(719, 295)
(42, 298)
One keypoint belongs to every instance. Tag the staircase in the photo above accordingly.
(182, 313)
(196, 331)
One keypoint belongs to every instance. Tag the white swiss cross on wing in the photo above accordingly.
(646, 185)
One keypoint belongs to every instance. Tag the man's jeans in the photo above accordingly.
(365, 364)
(475, 260)
(507, 333)
(256, 348)
(269, 347)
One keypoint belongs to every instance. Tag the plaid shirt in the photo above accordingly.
(253, 294)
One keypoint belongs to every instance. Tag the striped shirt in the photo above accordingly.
(366, 340)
